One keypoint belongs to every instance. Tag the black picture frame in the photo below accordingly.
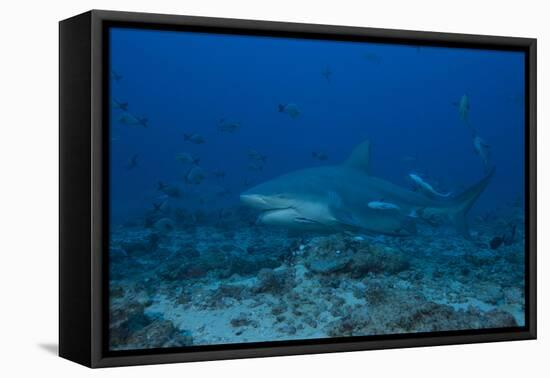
(83, 196)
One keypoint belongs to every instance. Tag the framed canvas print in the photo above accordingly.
(234, 188)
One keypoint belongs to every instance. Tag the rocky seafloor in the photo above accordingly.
(197, 279)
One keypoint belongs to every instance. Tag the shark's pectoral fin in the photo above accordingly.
(345, 218)
(341, 215)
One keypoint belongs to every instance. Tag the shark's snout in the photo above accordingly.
(254, 200)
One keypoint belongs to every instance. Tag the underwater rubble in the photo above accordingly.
(226, 280)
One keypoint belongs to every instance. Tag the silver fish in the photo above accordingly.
(187, 158)
(291, 109)
(193, 138)
(228, 127)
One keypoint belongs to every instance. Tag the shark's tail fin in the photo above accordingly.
(463, 202)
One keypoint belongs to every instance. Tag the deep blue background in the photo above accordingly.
(400, 97)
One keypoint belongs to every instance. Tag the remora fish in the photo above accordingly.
(463, 107)
(335, 198)
(381, 205)
(483, 150)
(425, 187)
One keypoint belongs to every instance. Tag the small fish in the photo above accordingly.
(255, 155)
(327, 73)
(143, 121)
(218, 173)
(127, 119)
(132, 162)
(483, 150)
(291, 109)
(372, 57)
(120, 105)
(164, 225)
(256, 166)
(195, 175)
(169, 190)
(319, 156)
(228, 127)
(425, 187)
(159, 206)
(193, 138)
(381, 205)
(115, 76)
(131, 120)
(187, 158)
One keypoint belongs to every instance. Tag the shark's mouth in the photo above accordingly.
(264, 214)
(276, 209)
(306, 220)
(285, 216)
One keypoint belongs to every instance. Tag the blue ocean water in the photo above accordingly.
(248, 109)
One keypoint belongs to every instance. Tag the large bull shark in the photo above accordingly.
(340, 198)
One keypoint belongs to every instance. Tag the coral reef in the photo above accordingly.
(225, 281)
(131, 328)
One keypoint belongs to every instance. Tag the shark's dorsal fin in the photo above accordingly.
(360, 157)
